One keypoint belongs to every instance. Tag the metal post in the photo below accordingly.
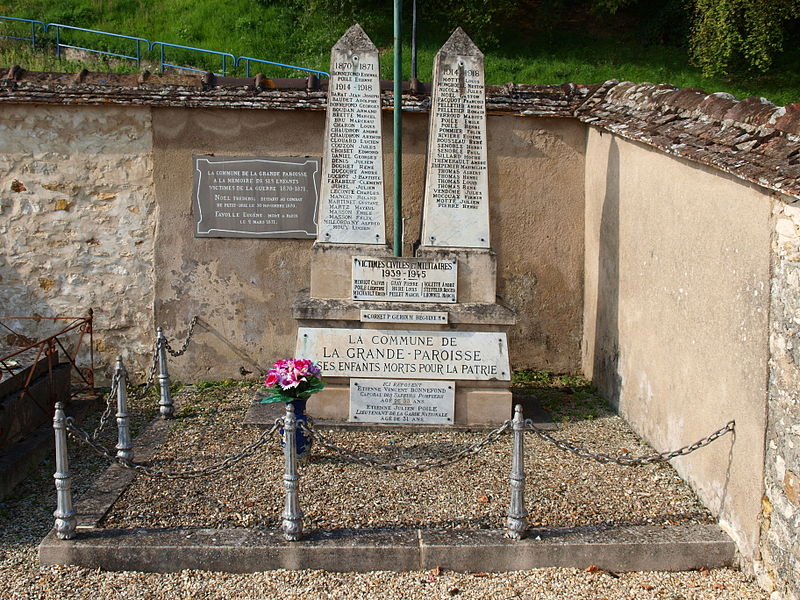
(414, 80)
(64, 513)
(124, 445)
(517, 514)
(165, 400)
(292, 515)
(398, 131)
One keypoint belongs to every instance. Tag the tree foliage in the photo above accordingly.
(732, 35)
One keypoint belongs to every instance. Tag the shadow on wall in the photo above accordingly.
(606, 343)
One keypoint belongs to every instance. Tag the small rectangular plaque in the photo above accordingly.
(429, 354)
(395, 279)
(402, 401)
(403, 316)
(261, 197)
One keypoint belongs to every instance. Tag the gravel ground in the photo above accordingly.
(561, 491)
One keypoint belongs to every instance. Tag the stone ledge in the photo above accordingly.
(342, 309)
(620, 549)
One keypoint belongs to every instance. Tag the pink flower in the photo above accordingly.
(272, 378)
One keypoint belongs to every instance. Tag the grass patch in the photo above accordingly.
(566, 397)
(286, 32)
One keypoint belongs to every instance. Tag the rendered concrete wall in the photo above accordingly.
(77, 214)
(675, 318)
(243, 288)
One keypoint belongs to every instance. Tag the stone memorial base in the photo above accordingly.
(477, 271)
(332, 267)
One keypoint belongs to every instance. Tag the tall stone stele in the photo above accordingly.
(455, 222)
(351, 216)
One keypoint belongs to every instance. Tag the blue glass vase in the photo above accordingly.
(301, 439)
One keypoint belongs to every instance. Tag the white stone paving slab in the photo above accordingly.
(351, 198)
(459, 355)
(402, 401)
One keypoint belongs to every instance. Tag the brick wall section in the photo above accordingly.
(780, 525)
(77, 219)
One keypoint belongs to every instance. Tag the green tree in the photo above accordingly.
(736, 35)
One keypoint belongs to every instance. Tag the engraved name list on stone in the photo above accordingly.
(250, 196)
(464, 355)
(404, 316)
(351, 206)
(402, 401)
(456, 212)
(395, 279)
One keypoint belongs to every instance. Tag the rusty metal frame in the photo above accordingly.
(47, 346)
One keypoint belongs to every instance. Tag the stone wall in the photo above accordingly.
(77, 214)
(780, 519)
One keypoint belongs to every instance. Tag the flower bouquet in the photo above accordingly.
(292, 379)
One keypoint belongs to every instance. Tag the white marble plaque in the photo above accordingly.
(402, 401)
(456, 210)
(468, 355)
(395, 279)
(403, 316)
(351, 199)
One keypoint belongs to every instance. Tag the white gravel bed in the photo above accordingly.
(562, 490)
(555, 497)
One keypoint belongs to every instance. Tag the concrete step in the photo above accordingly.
(636, 548)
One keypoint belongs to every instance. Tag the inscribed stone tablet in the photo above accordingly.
(402, 401)
(456, 212)
(395, 279)
(351, 205)
(468, 355)
(245, 196)
(403, 316)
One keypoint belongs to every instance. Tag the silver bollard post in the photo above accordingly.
(165, 400)
(124, 445)
(517, 514)
(292, 515)
(64, 513)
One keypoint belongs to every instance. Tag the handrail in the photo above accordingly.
(236, 61)
(58, 27)
(33, 23)
(224, 55)
(249, 59)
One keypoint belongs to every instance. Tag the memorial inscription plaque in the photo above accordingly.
(466, 355)
(456, 212)
(395, 279)
(404, 316)
(402, 401)
(351, 207)
(246, 196)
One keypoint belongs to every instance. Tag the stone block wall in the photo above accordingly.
(77, 216)
(780, 518)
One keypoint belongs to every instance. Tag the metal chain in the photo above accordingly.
(79, 434)
(151, 376)
(629, 461)
(110, 406)
(420, 466)
(185, 342)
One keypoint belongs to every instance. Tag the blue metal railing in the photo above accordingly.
(58, 27)
(33, 23)
(163, 45)
(137, 56)
(248, 60)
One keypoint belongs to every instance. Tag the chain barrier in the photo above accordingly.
(79, 434)
(629, 461)
(185, 342)
(111, 404)
(419, 466)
